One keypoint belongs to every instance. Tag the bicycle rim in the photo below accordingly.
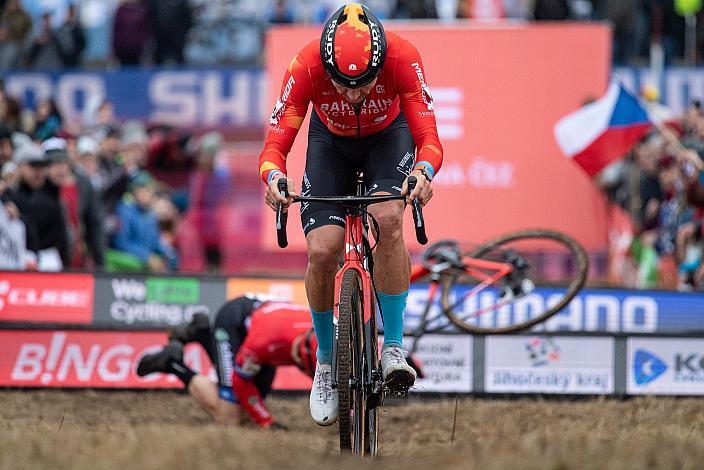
(506, 305)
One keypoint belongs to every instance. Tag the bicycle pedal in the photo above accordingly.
(399, 379)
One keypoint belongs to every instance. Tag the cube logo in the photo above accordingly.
(38, 298)
(647, 367)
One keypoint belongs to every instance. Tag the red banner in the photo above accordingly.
(46, 298)
(100, 359)
(498, 90)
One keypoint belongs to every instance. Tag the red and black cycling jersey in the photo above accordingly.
(400, 86)
(272, 330)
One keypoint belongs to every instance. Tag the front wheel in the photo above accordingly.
(479, 301)
(357, 420)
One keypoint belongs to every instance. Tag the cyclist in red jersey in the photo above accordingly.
(249, 338)
(372, 111)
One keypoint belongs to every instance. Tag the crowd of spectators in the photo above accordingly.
(661, 186)
(133, 32)
(92, 199)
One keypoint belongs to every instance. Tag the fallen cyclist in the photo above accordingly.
(249, 338)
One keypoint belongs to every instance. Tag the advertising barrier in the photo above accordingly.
(85, 359)
(290, 290)
(632, 355)
(592, 310)
(541, 364)
(46, 298)
(144, 302)
(103, 359)
(517, 364)
(666, 366)
(446, 362)
(107, 359)
(141, 301)
(184, 97)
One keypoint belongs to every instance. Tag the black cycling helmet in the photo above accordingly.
(353, 46)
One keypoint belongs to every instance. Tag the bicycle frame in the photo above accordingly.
(354, 259)
(474, 267)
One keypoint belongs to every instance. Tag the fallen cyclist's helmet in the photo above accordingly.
(353, 46)
(304, 352)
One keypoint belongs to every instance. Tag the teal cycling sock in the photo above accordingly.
(324, 332)
(392, 308)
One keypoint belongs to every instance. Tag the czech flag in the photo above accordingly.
(603, 131)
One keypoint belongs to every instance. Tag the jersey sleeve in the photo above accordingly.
(417, 105)
(286, 118)
(246, 368)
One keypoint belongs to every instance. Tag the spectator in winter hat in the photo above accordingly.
(37, 200)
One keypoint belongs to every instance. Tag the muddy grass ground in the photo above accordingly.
(127, 430)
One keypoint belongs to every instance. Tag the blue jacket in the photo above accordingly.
(138, 234)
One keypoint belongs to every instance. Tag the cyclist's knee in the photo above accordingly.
(323, 248)
(389, 216)
(322, 256)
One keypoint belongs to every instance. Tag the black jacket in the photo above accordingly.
(91, 215)
(43, 216)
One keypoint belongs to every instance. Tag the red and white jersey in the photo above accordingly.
(271, 332)
(400, 86)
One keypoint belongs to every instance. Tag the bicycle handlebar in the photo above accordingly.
(282, 216)
(418, 220)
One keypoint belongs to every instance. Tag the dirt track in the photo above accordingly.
(123, 430)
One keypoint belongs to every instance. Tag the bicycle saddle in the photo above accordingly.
(442, 255)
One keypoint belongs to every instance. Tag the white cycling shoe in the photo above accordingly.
(323, 399)
(396, 371)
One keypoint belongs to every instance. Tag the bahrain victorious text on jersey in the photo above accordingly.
(400, 87)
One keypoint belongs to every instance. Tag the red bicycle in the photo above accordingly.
(356, 367)
(488, 289)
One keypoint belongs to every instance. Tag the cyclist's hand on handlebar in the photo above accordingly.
(423, 190)
(272, 196)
